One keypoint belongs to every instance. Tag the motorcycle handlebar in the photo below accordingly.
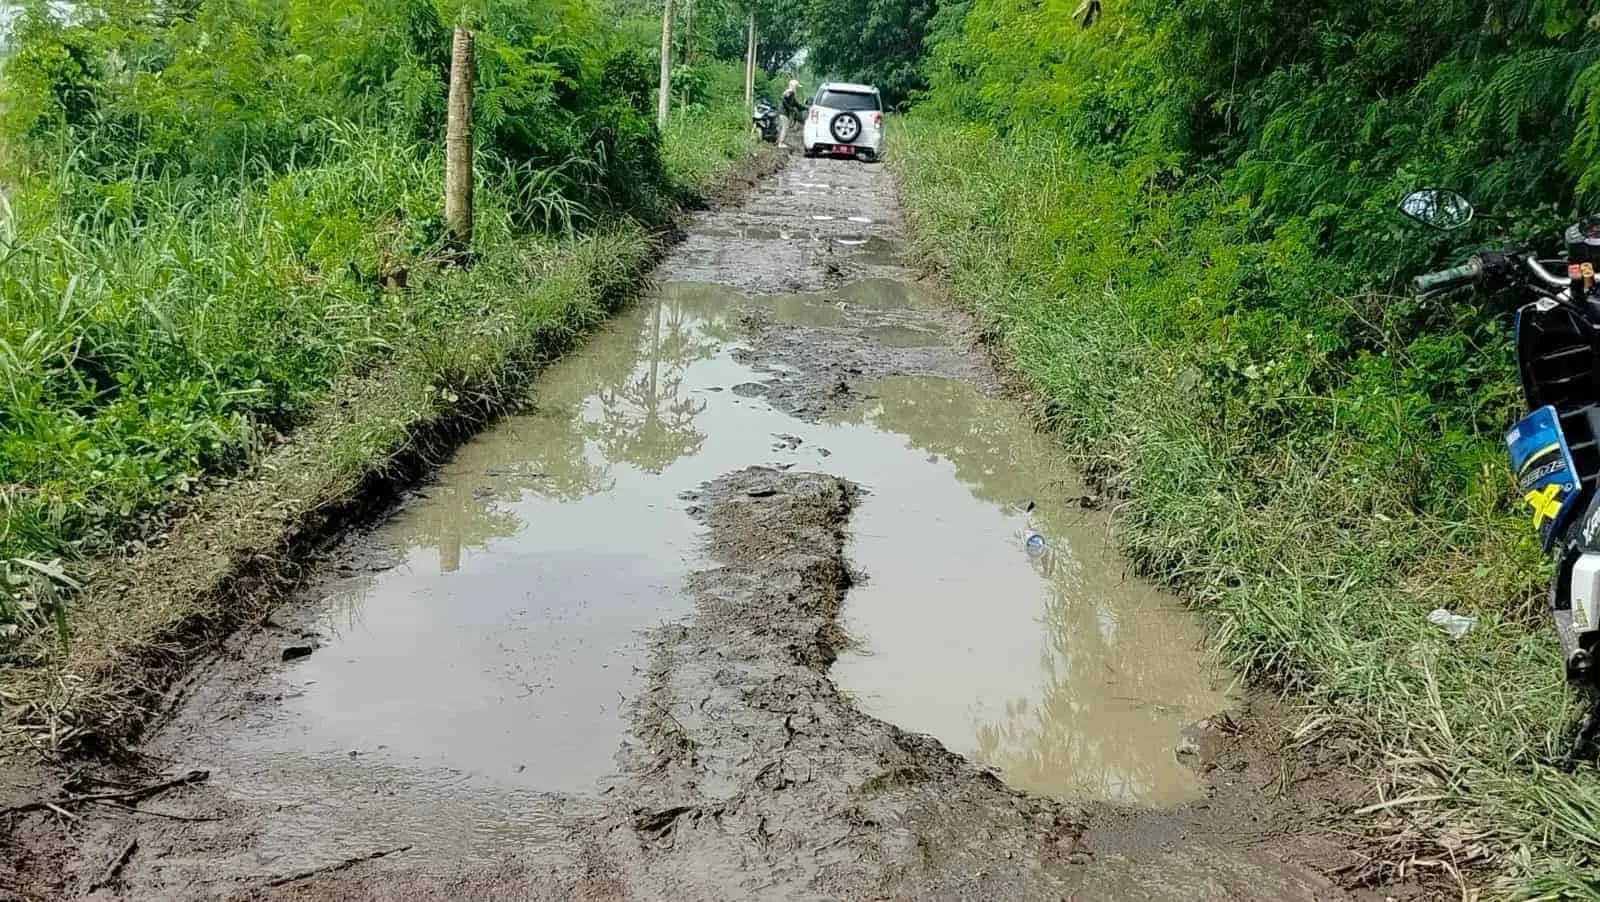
(1550, 280)
(1454, 277)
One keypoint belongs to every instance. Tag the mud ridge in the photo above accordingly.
(745, 175)
(755, 776)
(813, 371)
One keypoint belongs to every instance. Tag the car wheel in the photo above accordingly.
(845, 128)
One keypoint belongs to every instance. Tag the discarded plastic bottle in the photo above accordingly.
(1457, 625)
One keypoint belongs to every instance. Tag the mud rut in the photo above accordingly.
(744, 772)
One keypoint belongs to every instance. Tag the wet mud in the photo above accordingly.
(768, 592)
(759, 780)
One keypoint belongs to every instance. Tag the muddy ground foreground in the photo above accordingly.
(741, 769)
(752, 777)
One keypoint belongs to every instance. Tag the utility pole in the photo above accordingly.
(688, 32)
(664, 97)
(750, 62)
(458, 142)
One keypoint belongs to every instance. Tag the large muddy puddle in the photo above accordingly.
(505, 640)
(461, 677)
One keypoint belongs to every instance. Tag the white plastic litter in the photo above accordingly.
(1457, 625)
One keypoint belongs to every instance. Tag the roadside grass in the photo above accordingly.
(1284, 492)
(702, 146)
(703, 140)
(156, 333)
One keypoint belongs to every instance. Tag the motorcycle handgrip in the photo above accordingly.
(1465, 274)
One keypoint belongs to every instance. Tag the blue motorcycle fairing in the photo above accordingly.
(1542, 462)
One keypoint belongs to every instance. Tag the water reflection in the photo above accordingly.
(647, 419)
(507, 638)
(623, 401)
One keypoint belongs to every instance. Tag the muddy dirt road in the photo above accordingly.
(742, 605)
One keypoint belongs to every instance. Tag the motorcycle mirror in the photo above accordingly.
(1440, 208)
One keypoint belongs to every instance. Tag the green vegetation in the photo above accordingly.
(220, 212)
(706, 134)
(878, 42)
(1179, 225)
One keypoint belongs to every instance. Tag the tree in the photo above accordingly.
(877, 41)
(458, 142)
(780, 31)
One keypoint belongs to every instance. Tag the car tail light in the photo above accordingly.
(877, 120)
(813, 114)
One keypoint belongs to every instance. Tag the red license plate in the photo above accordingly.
(843, 148)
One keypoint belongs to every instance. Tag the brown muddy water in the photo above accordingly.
(508, 668)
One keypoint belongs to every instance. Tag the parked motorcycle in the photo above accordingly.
(766, 121)
(1555, 447)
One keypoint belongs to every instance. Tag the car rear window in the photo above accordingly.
(848, 100)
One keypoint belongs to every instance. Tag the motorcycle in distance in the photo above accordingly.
(766, 121)
(1555, 447)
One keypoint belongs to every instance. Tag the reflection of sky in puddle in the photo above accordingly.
(1071, 678)
(505, 643)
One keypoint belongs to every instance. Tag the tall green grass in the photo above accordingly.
(156, 330)
(701, 146)
(1289, 485)
(704, 137)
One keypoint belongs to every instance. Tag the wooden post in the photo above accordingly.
(458, 143)
(750, 62)
(664, 97)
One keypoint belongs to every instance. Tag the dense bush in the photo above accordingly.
(217, 91)
(878, 42)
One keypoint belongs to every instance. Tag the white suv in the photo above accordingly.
(846, 120)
